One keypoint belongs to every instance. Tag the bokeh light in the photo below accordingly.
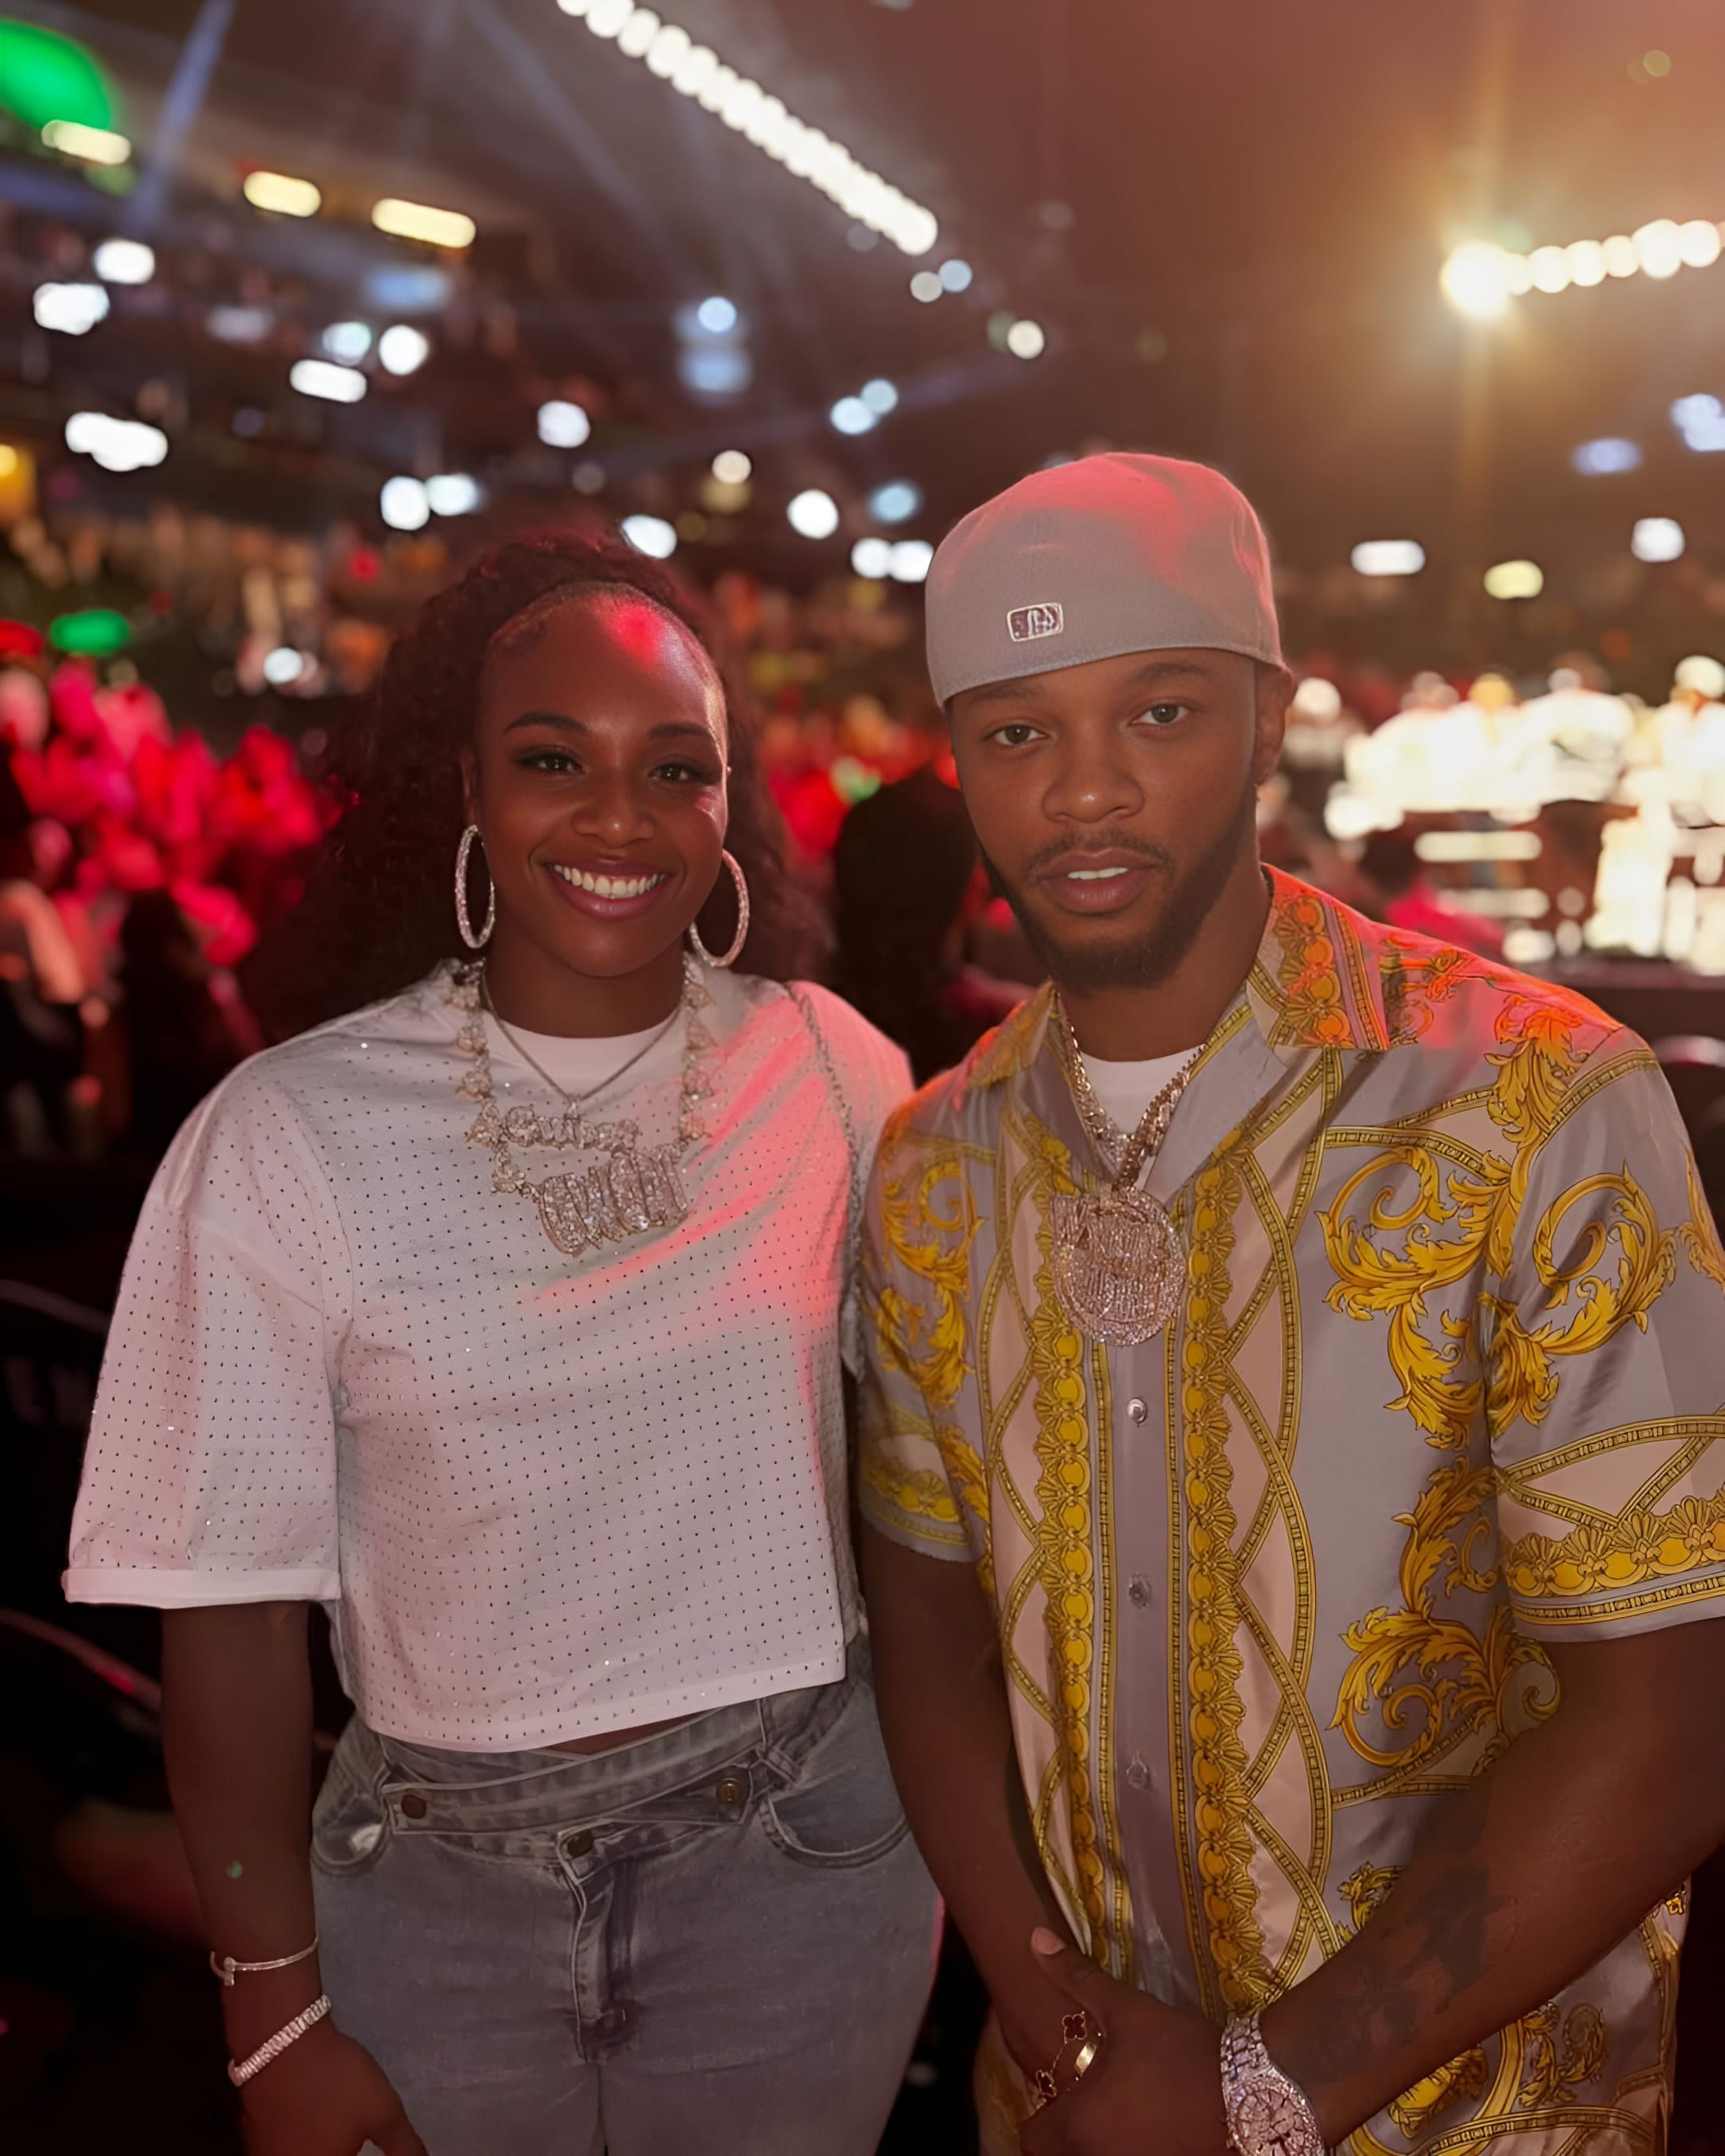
(650, 535)
(1515, 580)
(564, 425)
(1657, 539)
(1388, 558)
(813, 514)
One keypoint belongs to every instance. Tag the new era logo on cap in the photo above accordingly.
(1025, 624)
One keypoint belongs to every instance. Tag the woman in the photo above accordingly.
(503, 1316)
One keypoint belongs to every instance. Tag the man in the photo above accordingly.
(1284, 1568)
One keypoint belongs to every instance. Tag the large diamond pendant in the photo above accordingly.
(1117, 1264)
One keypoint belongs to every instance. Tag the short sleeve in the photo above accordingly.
(1606, 1368)
(873, 1076)
(919, 1479)
(210, 1472)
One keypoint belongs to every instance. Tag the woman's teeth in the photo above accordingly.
(607, 886)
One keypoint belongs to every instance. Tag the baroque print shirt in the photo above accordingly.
(1445, 1381)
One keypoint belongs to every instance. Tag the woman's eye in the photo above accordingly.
(555, 760)
(687, 774)
(1165, 715)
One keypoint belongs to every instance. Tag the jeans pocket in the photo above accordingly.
(350, 1823)
(840, 1807)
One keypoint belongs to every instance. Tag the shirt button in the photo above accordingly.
(413, 1807)
(1138, 1592)
(1136, 1410)
(1137, 1773)
(578, 1845)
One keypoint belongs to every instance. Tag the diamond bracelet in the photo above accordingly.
(240, 2070)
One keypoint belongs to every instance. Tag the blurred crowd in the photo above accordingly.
(149, 835)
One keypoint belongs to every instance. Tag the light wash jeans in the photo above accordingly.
(716, 1942)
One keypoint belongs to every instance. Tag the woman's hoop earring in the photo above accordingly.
(464, 920)
(741, 937)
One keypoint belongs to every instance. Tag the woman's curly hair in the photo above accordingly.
(378, 914)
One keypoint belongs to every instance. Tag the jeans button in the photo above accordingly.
(413, 1807)
(731, 1789)
(1138, 1591)
(578, 1845)
(1136, 1410)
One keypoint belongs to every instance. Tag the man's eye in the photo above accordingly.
(1016, 733)
(1165, 715)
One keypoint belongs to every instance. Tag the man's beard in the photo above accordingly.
(1148, 960)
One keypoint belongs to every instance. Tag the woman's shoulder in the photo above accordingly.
(284, 1097)
(871, 1070)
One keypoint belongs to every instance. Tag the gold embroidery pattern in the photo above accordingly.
(1523, 1381)
(1063, 1540)
(930, 1221)
(1310, 980)
(1237, 1969)
(1440, 1390)
(918, 1491)
(929, 1348)
(1418, 982)
(1619, 1552)
(1557, 2062)
(1698, 1236)
(1431, 1680)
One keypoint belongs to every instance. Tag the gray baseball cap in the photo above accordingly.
(1111, 554)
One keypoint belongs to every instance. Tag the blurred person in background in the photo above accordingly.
(1400, 889)
(904, 872)
(505, 1317)
(181, 1037)
(42, 989)
(1292, 1464)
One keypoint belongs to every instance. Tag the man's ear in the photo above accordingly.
(1276, 692)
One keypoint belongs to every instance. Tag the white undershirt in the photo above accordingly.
(577, 1065)
(1125, 1090)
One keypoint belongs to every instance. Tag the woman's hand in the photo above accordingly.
(325, 2096)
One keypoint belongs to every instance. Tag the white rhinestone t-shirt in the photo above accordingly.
(542, 1498)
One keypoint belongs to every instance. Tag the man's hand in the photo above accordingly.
(1155, 2088)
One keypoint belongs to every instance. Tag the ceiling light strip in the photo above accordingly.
(696, 70)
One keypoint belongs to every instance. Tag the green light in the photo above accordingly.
(43, 77)
(854, 782)
(91, 635)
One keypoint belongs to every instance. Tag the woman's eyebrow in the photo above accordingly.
(566, 722)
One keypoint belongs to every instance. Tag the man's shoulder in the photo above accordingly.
(963, 1106)
(1441, 997)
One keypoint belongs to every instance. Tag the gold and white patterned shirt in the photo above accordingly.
(1445, 1381)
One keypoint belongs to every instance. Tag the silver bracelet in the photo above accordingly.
(227, 1969)
(1268, 2114)
(240, 2071)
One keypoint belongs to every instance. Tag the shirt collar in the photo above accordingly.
(1318, 982)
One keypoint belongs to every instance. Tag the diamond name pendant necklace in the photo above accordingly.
(636, 1188)
(1117, 1262)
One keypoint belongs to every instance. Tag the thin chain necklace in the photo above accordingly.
(1117, 1261)
(539, 1070)
(637, 1187)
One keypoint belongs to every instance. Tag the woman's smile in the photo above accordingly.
(610, 892)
